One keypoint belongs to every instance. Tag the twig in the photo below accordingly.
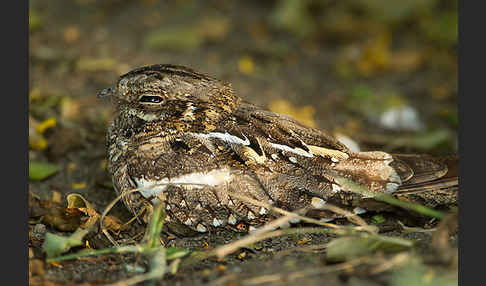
(284, 212)
(354, 218)
(122, 249)
(302, 248)
(112, 204)
(273, 278)
(398, 259)
(414, 229)
(226, 249)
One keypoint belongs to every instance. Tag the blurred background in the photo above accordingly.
(381, 74)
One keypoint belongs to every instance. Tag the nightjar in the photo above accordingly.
(190, 139)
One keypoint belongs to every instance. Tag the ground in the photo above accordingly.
(339, 67)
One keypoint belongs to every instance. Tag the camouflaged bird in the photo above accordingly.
(190, 139)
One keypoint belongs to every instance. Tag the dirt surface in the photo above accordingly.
(339, 67)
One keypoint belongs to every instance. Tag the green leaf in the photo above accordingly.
(378, 219)
(173, 253)
(409, 205)
(346, 248)
(155, 226)
(418, 273)
(41, 170)
(54, 244)
(35, 20)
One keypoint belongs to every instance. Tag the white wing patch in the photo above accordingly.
(335, 155)
(212, 178)
(297, 151)
(226, 137)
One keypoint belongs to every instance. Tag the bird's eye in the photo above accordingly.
(151, 99)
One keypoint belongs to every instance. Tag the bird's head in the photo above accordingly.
(170, 92)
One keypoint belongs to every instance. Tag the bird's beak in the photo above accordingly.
(106, 92)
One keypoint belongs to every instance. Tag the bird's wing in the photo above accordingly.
(270, 143)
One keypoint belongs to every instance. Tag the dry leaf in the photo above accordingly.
(36, 140)
(304, 240)
(113, 223)
(62, 218)
(246, 65)
(71, 34)
(56, 197)
(77, 201)
(242, 255)
(77, 186)
(46, 124)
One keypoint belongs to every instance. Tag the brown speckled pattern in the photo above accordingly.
(200, 125)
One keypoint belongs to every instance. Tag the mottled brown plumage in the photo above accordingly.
(175, 125)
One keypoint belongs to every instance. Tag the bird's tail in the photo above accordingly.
(426, 180)
(421, 173)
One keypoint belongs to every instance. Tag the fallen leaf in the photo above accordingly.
(54, 244)
(302, 241)
(77, 201)
(221, 267)
(70, 108)
(375, 55)
(246, 65)
(77, 186)
(113, 223)
(41, 170)
(241, 255)
(347, 248)
(46, 124)
(71, 34)
(36, 140)
(56, 197)
(61, 218)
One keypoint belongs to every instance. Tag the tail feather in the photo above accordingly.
(421, 173)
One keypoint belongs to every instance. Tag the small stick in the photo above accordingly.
(226, 249)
